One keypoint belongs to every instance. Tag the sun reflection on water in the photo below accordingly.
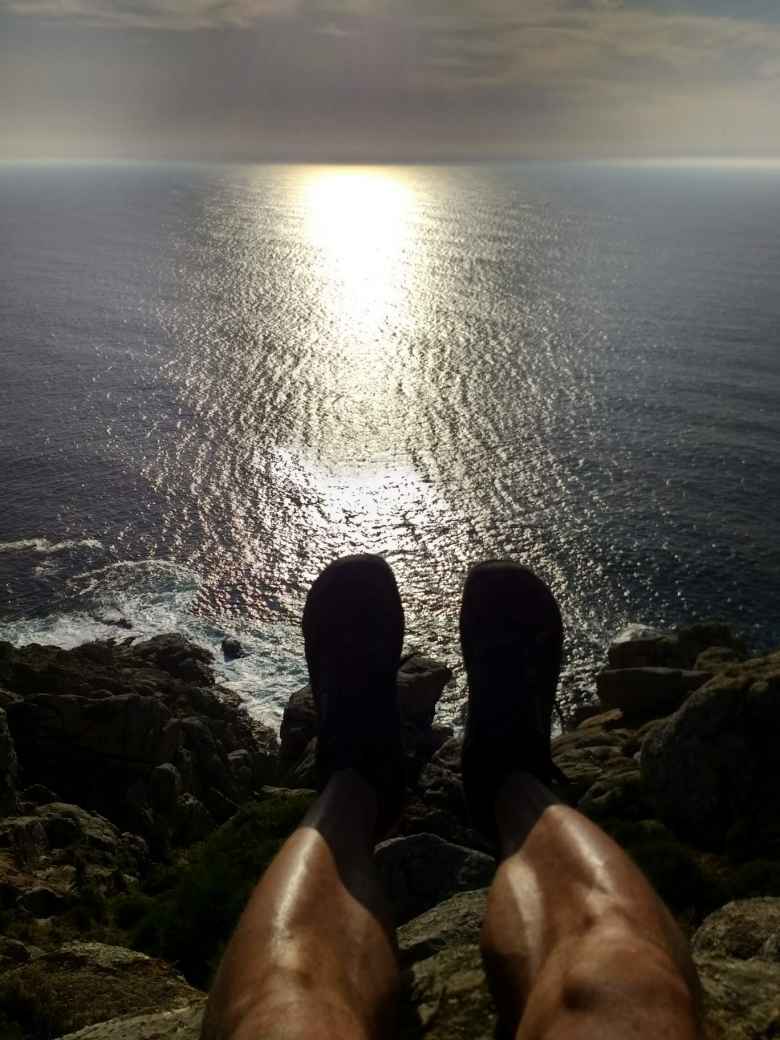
(361, 224)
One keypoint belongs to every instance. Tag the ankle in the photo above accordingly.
(520, 801)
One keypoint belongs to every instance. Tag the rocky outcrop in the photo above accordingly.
(118, 757)
(712, 768)
(84, 983)
(140, 733)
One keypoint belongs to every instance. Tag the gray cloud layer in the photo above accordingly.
(388, 78)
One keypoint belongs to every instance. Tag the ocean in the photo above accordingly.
(214, 379)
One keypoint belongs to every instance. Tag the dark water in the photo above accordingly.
(213, 380)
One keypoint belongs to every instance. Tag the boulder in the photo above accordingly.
(67, 825)
(455, 922)
(421, 681)
(181, 1024)
(85, 983)
(298, 728)
(9, 801)
(639, 646)
(716, 659)
(742, 930)
(646, 693)
(712, 769)
(740, 998)
(446, 997)
(421, 870)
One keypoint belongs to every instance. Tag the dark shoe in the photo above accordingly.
(512, 638)
(353, 626)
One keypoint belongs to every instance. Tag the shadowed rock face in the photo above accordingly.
(138, 732)
(713, 766)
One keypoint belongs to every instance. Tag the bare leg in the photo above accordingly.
(577, 943)
(313, 955)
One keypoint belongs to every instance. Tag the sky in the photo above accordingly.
(383, 80)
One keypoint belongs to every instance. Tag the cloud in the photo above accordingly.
(576, 76)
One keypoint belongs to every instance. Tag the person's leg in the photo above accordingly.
(575, 941)
(313, 957)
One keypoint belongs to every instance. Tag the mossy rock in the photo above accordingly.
(188, 915)
(84, 983)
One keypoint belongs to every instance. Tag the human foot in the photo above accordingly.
(353, 628)
(511, 636)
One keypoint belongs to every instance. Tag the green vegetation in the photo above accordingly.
(186, 916)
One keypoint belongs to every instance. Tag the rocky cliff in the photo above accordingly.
(139, 802)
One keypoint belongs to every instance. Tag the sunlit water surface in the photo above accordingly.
(217, 379)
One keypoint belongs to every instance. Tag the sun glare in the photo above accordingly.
(360, 222)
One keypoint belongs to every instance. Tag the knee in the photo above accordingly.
(630, 981)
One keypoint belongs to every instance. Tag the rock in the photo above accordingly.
(421, 870)
(182, 1024)
(164, 788)
(13, 952)
(25, 838)
(232, 649)
(9, 802)
(646, 693)
(619, 793)
(603, 720)
(42, 902)
(192, 821)
(449, 754)
(740, 998)
(639, 646)
(420, 683)
(182, 659)
(742, 930)
(455, 922)
(712, 768)
(298, 728)
(70, 825)
(716, 659)
(86, 983)
(446, 997)
(37, 794)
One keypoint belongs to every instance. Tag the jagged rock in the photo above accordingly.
(712, 768)
(182, 1024)
(740, 998)
(179, 657)
(455, 922)
(446, 997)
(742, 930)
(9, 801)
(647, 693)
(449, 754)
(86, 983)
(421, 870)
